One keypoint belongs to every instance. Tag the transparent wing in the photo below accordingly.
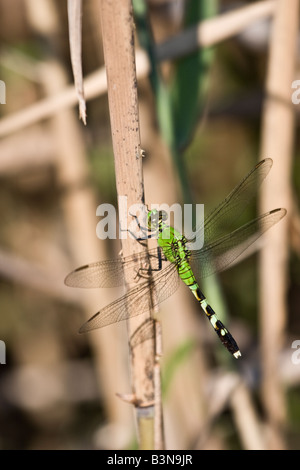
(142, 333)
(218, 255)
(234, 204)
(110, 273)
(137, 300)
(107, 273)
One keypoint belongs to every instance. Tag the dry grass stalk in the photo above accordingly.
(35, 277)
(247, 421)
(118, 44)
(214, 30)
(277, 143)
(74, 17)
(209, 33)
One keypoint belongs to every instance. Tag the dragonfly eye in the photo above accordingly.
(163, 215)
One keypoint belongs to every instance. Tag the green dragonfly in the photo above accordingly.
(161, 268)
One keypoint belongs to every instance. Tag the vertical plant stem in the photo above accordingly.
(74, 18)
(277, 143)
(158, 416)
(246, 418)
(119, 54)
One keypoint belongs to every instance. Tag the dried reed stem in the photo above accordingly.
(118, 44)
(74, 17)
(214, 30)
(209, 32)
(277, 143)
(246, 418)
(36, 277)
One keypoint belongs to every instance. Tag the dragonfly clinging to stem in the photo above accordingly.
(173, 259)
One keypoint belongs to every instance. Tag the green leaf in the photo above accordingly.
(191, 78)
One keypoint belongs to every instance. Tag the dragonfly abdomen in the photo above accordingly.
(224, 335)
(186, 274)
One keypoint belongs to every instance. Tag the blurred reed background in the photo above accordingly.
(219, 110)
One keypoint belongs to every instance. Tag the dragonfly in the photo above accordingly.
(160, 269)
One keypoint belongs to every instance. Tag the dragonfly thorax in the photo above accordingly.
(173, 245)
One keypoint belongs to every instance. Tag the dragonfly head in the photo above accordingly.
(155, 218)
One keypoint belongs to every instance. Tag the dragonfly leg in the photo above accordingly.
(141, 240)
(224, 335)
(144, 231)
(145, 272)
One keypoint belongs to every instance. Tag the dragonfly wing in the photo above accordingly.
(135, 302)
(142, 333)
(111, 273)
(138, 300)
(107, 273)
(234, 204)
(166, 284)
(220, 254)
(166, 287)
